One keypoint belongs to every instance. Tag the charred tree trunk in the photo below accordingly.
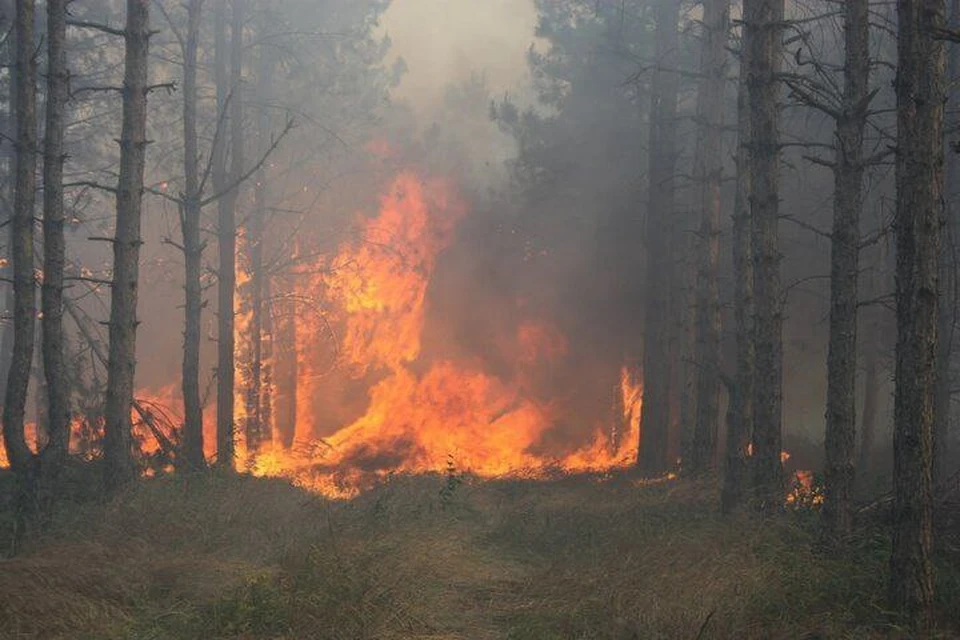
(845, 264)
(920, 113)
(740, 410)
(713, 69)
(119, 467)
(54, 251)
(657, 370)
(21, 458)
(192, 248)
(763, 21)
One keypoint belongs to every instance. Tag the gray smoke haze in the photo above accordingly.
(445, 41)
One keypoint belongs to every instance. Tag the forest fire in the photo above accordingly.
(422, 416)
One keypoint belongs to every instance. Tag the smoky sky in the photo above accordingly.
(444, 41)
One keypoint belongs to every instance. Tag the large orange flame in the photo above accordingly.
(423, 417)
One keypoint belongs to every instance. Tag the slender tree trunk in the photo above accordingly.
(763, 22)
(126, 250)
(950, 283)
(655, 419)
(54, 250)
(740, 410)
(871, 395)
(192, 248)
(21, 458)
(920, 112)
(8, 153)
(285, 348)
(257, 428)
(226, 238)
(713, 79)
(266, 392)
(845, 265)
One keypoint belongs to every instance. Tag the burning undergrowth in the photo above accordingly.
(404, 364)
(428, 398)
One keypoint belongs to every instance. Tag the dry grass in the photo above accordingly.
(221, 557)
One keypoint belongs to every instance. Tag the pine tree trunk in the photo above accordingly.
(266, 390)
(8, 154)
(192, 248)
(119, 464)
(258, 429)
(871, 395)
(920, 113)
(54, 251)
(285, 350)
(845, 265)
(21, 458)
(740, 409)
(763, 22)
(657, 370)
(227, 241)
(713, 70)
(949, 268)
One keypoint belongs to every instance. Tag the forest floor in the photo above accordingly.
(217, 557)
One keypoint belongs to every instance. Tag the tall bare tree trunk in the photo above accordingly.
(949, 270)
(126, 250)
(740, 409)
(226, 238)
(8, 154)
(258, 428)
(54, 250)
(713, 79)
(657, 371)
(845, 265)
(21, 458)
(920, 112)
(763, 21)
(192, 247)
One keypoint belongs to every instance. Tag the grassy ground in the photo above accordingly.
(575, 558)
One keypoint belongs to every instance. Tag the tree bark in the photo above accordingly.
(54, 251)
(740, 409)
(192, 248)
(950, 282)
(119, 464)
(8, 154)
(257, 428)
(285, 350)
(871, 395)
(763, 21)
(22, 460)
(227, 236)
(713, 79)
(920, 113)
(657, 370)
(845, 264)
